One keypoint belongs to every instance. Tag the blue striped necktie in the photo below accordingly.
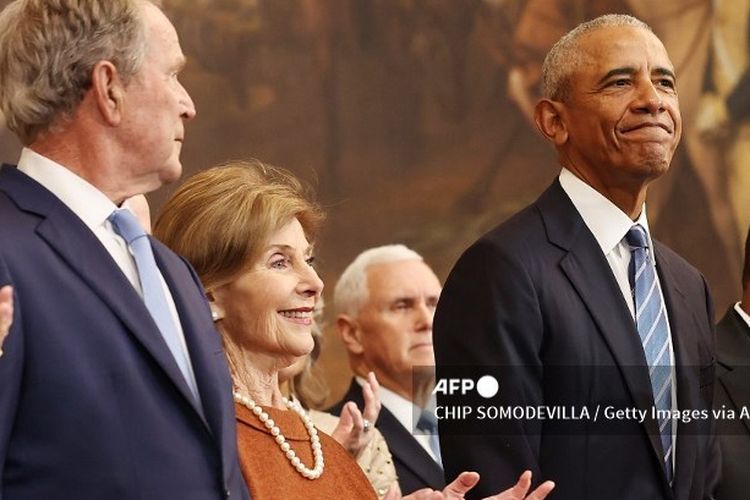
(126, 225)
(653, 329)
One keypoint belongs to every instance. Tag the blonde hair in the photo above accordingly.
(48, 49)
(220, 218)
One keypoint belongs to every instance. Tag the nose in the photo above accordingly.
(188, 107)
(424, 316)
(310, 283)
(649, 99)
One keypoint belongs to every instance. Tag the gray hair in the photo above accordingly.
(565, 57)
(351, 291)
(48, 49)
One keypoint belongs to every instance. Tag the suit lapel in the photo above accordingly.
(405, 448)
(682, 324)
(192, 314)
(82, 252)
(590, 274)
(400, 441)
(733, 346)
(205, 350)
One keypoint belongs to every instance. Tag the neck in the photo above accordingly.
(628, 195)
(91, 155)
(254, 375)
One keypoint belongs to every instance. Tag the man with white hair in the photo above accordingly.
(384, 304)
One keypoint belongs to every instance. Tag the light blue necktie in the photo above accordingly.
(428, 424)
(126, 225)
(651, 319)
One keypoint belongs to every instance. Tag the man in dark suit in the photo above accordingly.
(113, 383)
(572, 303)
(384, 303)
(733, 391)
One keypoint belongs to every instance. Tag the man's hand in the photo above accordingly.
(6, 313)
(467, 480)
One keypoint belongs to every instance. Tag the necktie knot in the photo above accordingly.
(427, 422)
(636, 237)
(126, 225)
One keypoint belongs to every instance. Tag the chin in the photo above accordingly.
(171, 171)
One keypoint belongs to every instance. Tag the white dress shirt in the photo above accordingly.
(609, 225)
(745, 317)
(94, 208)
(404, 411)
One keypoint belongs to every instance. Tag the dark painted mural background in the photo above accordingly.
(410, 117)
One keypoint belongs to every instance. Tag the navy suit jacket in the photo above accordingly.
(536, 299)
(415, 468)
(92, 403)
(733, 392)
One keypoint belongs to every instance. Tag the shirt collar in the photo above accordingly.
(87, 202)
(745, 317)
(605, 220)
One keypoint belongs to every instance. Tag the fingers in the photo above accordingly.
(346, 421)
(519, 490)
(424, 494)
(371, 395)
(461, 485)
(358, 422)
(343, 429)
(542, 491)
(522, 486)
(393, 493)
(6, 311)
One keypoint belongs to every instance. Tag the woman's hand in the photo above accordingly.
(6, 313)
(353, 429)
(467, 480)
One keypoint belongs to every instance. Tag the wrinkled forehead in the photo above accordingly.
(623, 46)
(405, 278)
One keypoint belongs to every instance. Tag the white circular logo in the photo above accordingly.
(487, 386)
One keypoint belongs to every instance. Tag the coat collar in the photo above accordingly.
(590, 274)
(79, 248)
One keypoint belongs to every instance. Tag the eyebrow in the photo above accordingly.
(665, 72)
(287, 248)
(629, 70)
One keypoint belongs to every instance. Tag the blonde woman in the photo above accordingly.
(247, 229)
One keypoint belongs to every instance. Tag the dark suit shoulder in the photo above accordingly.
(676, 261)
(732, 341)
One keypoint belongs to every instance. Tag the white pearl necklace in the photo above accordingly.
(319, 463)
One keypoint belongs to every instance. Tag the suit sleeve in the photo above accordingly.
(489, 316)
(11, 368)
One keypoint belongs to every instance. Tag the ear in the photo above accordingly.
(217, 310)
(108, 92)
(350, 334)
(549, 116)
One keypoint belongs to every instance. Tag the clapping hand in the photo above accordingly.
(353, 429)
(467, 480)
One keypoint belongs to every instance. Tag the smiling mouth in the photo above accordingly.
(301, 315)
(642, 126)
